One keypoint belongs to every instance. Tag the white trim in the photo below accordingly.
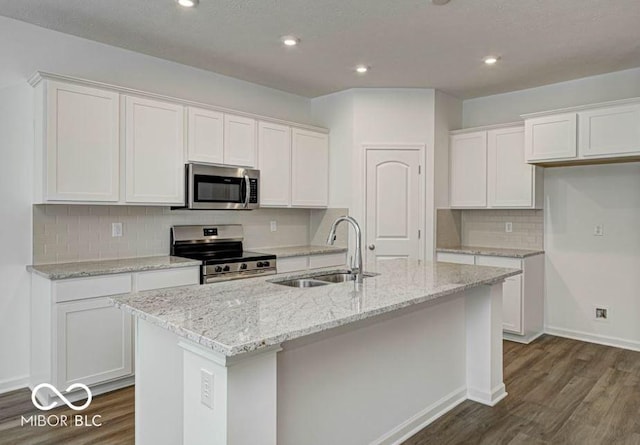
(524, 339)
(423, 418)
(616, 342)
(15, 383)
(613, 103)
(38, 76)
(490, 399)
(223, 360)
(487, 127)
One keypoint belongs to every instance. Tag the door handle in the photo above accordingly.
(247, 186)
(372, 247)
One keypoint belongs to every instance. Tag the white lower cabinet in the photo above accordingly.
(299, 263)
(522, 295)
(78, 336)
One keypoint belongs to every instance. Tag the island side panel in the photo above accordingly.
(377, 381)
(158, 390)
(484, 344)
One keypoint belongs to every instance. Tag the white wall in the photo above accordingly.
(16, 186)
(583, 270)
(26, 48)
(508, 107)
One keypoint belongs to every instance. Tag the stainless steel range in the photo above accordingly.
(219, 247)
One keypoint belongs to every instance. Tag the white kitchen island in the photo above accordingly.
(250, 362)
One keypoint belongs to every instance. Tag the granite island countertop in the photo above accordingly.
(491, 251)
(241, 316)
(292, 251)
(82, 269)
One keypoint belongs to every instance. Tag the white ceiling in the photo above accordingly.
(407, 43)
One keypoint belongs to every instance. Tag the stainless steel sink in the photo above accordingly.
(301, 283)
(341, 277)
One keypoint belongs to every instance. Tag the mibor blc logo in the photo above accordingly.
(63, 420)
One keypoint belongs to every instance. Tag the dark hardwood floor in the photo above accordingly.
(560, 392)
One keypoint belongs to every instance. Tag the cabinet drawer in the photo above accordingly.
(494, 261)
(458, 258)
(77, 289)
(292, 264)
(159, 279)
(327, 260)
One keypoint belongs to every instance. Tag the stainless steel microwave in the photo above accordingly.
(211, 187)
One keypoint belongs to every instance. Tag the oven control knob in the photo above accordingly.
(259, 264)
(243, 266)
(265, 264)
(226, 268)
(218, 269)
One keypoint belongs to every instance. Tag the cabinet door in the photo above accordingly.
(551, 137)
(613, 131)
(82, 143)
(512, 292)
(239, 141)
(468, 170)
(205, 136)
(93, 342)
(154, 151)
(274, 160)
(510, 178)
(309, 169)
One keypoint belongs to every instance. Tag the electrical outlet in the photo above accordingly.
(598, 230)
(206, 388)
(601, 313)
(116, 230)
(274, 226)
(508, 227)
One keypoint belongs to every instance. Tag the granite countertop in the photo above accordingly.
(237, 317)
(491, 251)
(284, 252)
(107, 267)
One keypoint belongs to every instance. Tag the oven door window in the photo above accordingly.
(218, 189)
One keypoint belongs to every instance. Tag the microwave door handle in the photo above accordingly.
(246, 190)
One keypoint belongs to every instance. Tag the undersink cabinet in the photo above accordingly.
(522, 295)
(154, 151)
(77, 134)
(78, 336)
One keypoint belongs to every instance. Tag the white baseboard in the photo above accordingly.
(594, 338)
(490, 399)
(13, 384)
(428, 415)
(524, 339)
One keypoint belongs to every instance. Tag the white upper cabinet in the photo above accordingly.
(154, 146)
(239, 141)
(550, 138)
(468, 170)
(205, 135)
(510, 178)
(309, 169)
(78, 128)
(609, 132)
(274, 159)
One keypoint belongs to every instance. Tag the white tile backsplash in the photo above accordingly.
(63, 233)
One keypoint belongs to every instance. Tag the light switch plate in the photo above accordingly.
(116, 230)
(274, 226)
(206, 388)
(598, 230)
(508, 227)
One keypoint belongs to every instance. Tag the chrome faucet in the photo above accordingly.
(356, 265)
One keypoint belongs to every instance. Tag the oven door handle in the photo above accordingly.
(247, 187)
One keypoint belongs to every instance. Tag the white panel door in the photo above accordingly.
(274, 160)
(510, 178)
(154, 151)
(205, 136)
(93, 342)
(239, 141)
(468, 170)
(551, 137)
(83, 143)
(609, 131)
(309, 169)
(392, 203)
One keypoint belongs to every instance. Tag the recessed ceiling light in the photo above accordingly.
(188, 3)
(290, 40)
(491, 60)
(361, 69)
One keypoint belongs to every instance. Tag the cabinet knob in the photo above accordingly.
(372, 247)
